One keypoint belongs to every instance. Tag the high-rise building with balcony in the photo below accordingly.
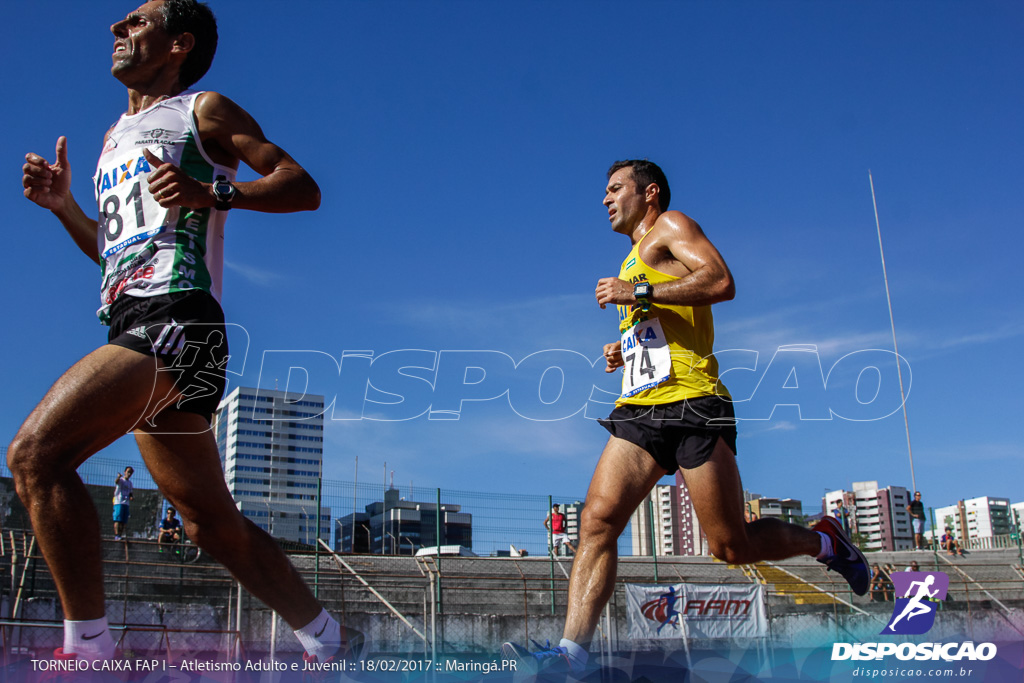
(664, 501)
(976, 518)
(878, 515)
(786, 509)
(271, 449)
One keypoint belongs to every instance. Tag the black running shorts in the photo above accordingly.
(681, 434)
(185, 330)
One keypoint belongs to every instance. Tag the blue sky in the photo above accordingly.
(461, 150)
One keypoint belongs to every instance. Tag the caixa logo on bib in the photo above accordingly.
(917, 598)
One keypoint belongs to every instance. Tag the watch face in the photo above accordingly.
(223, 188)
(642, 289)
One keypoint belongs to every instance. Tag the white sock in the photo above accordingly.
(88, 639)
(826, 547)
(577, 655)
(328, 641)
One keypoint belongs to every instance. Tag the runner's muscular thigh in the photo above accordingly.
(181, 455)
(95, 402)
(625, 474)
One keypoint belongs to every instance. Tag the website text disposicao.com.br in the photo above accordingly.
(947, 653)
(899, 672)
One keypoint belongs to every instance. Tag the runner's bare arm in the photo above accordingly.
(230, 134)
(707, 282)
(49, 186)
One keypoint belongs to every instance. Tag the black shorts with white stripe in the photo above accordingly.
(185, 330)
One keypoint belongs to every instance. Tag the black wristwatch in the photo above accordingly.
(642, 292)
(224, 192)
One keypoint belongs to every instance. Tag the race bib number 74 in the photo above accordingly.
(646, 355)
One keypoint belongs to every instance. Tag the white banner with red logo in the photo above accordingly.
(695, 610)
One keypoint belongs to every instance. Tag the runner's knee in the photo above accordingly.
(212, 529)
(203, 534)
(731, 551)
(30, 468)
(601, 519)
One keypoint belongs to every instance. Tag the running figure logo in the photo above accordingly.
(918, 594)
(663, 609)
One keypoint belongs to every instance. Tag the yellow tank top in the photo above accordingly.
(690, 335)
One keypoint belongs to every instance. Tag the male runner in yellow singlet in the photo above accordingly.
(164, 187)
(673, 413)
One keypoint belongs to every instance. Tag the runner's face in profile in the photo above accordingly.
(626, 206)
(139, 40)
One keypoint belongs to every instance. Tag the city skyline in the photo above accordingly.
(499, 521)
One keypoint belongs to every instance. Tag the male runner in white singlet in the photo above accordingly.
(164, 186)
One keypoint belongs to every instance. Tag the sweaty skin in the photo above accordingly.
(625, 473)
(78, 417)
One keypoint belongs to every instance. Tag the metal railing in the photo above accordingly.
(510, 598)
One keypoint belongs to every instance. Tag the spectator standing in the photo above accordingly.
(122, 498)
(916, 510)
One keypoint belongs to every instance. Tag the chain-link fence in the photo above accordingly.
(180, 601)
(164, 604)
(362, 517)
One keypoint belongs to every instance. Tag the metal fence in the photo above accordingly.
(185, 603)
(499, 521)
(185, 606)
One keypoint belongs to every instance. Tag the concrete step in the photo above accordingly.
(801, 592)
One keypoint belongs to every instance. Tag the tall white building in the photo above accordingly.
(987, 517)
(950, 517)
(976, 518)
(573, 511)
(690, 539)
(879, 515)
(1017, 515)
(271, 449)
(664, 500)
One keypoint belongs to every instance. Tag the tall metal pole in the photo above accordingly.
(316, 555)
(551, 552)
(440, 603)
(355, 485)
(238, 623)
(1016, 526)
(892, 323)
(273, 636)
(654, 547)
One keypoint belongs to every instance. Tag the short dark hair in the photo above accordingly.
(191, 16)
(644, 173)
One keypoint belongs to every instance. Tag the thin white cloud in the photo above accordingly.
(257, 276)
(1007, 331)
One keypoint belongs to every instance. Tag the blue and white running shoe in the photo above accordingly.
(545, 659)
(847, 559)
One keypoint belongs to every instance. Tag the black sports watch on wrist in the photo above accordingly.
(223, 192)
(642, 292)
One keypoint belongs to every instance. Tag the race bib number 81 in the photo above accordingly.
(128, 212)
(647, 359)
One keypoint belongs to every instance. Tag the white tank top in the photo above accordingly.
(145, 249)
